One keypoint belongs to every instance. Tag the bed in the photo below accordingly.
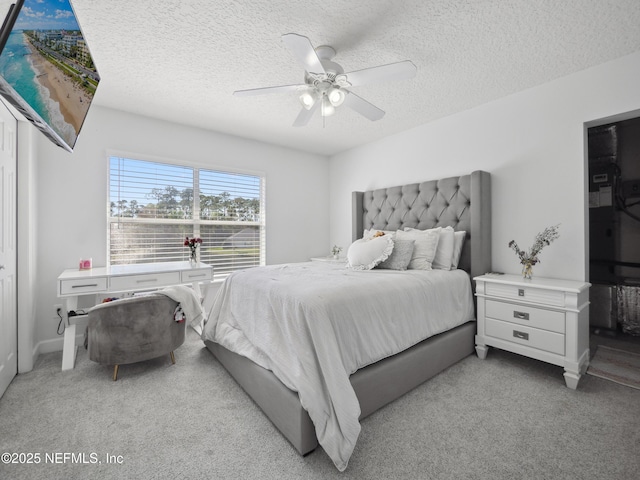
(463, 203)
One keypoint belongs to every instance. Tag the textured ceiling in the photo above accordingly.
(182, 60)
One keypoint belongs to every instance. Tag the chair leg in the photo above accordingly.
(115, 373)
(173, 358)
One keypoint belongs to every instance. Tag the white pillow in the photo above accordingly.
(458, 241)
(444, 254)
(365, 254)
(424, 249)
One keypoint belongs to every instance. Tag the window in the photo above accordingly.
(153, 206)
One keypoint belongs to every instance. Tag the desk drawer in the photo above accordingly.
(524, 315)
(200, 275)
(143, 282)
(520, 334)
(83, 286)
(525, 293)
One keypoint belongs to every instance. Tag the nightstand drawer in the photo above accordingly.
(137, 282)
(526, 293)
(524, 315)
(522, 335)
(82, 286)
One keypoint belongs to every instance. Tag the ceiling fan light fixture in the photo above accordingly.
(307, 99)
(326, 86)
(336, 96)
(327, 108)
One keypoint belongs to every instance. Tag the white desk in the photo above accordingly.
(102, 281)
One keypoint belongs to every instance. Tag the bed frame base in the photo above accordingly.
(375, 385)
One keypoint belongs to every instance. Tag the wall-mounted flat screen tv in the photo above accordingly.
(46, 70)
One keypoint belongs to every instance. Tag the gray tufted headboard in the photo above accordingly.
(463, 202)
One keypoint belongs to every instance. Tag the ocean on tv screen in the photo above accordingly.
(50, 67)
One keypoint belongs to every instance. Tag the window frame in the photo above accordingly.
(196, 221)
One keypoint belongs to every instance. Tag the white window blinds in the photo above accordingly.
(153, 206)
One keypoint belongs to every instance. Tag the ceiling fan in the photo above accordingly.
(326, 86)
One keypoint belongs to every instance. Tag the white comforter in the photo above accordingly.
(314, 324)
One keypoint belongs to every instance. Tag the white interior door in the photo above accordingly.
(8, 253)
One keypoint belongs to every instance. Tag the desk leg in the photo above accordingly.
(69, 348)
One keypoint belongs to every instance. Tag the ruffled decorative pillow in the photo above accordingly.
(365, 254)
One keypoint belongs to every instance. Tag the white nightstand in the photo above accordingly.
(542, 318)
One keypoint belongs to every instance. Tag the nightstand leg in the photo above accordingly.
(573, 371)
(482, 350)
(571, 379)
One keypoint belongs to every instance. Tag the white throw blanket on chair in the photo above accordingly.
(188, 300)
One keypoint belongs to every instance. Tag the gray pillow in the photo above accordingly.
(400, 256)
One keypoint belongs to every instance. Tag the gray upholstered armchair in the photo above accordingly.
(133, 329)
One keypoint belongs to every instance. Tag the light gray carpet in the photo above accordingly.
(502, 418)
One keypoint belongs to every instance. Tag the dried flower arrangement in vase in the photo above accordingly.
(530, 258)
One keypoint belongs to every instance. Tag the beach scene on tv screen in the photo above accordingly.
(47, 62)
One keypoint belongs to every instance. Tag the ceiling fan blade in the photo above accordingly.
(305, 115)
(265, 90)
(363, 107)
(304, 52)
(383, 73)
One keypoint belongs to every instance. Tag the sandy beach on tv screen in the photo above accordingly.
(74, 101)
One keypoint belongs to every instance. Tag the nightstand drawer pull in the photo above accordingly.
(522, 335)
(520, 315)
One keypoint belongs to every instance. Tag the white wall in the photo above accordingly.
(532, 142)
(72, 198)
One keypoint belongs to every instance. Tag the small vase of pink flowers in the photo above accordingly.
(193, 244)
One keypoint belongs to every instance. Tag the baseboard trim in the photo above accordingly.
(53, 345)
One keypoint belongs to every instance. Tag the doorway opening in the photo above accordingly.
(613, 166)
